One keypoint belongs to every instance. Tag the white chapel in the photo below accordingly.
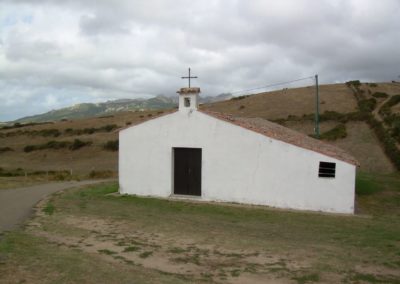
(209, 156)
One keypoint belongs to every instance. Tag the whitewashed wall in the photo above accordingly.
(238, 165)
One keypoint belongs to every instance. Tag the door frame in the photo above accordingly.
(173, 172)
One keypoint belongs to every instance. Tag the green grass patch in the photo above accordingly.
(338, 132)
(308, 278)
(177, 250)
(131, 248)
(145, 254)
(380, 95)
(49, 209)
(366, 184)
(107, 251)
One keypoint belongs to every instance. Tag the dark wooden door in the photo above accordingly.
(187, 171)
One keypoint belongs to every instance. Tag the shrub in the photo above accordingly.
(367, 105)
(355, 83)
(30, 148)
(49, 209)
(68, 131)
(108, 127)
(12, 173)
(77, 144)
(373, 85)
(111, 145)
(5, 149)
(338, 132)
(380, 95)
(89, 130)
(54, 145)
(101, 174)
(394, 100)
(242, 107)
(48, 132)
(385, 110)
(239, 98)
(389, 144)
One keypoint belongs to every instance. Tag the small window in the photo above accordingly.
(327, 169)
(187, 102)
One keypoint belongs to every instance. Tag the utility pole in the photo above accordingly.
(316, 129)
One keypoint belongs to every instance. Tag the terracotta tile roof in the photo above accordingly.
(287, 135)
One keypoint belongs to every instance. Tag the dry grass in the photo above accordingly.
(280, 104)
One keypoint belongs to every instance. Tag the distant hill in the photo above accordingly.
(86, 110)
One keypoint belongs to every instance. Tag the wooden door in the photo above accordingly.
(187, 171)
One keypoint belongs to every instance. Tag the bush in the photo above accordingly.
(239, 97)
(12, 173)
(355, 83)
(77, 144)
(49, 209)
(373, 85)
(91, 130)
(389, 144)
(338, 132)
(380, 95)
(54, 145)
(30, 148)
(48, 132)
(101, 174)
(108, 128)
(367, 105)
(5, 149)
(385, 110)
(242, 107)
(112, 145)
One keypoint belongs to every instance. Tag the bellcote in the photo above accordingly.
(188, 99)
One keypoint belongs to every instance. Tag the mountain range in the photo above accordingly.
(84, 110)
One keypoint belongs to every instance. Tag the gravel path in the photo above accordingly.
(16, 204)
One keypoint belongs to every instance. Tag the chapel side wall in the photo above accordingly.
(238, 165)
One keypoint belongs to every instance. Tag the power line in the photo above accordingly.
(272, 85)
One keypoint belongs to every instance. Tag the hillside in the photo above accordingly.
(53, 145)
(103, 109)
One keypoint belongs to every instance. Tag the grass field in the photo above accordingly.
(92, 235)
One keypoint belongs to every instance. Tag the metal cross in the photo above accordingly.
(189, 77)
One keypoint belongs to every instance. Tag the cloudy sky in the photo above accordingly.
(57, 53)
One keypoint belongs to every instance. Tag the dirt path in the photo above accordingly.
(16, 204)
(375, 112)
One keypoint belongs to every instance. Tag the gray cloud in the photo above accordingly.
(55, 53)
